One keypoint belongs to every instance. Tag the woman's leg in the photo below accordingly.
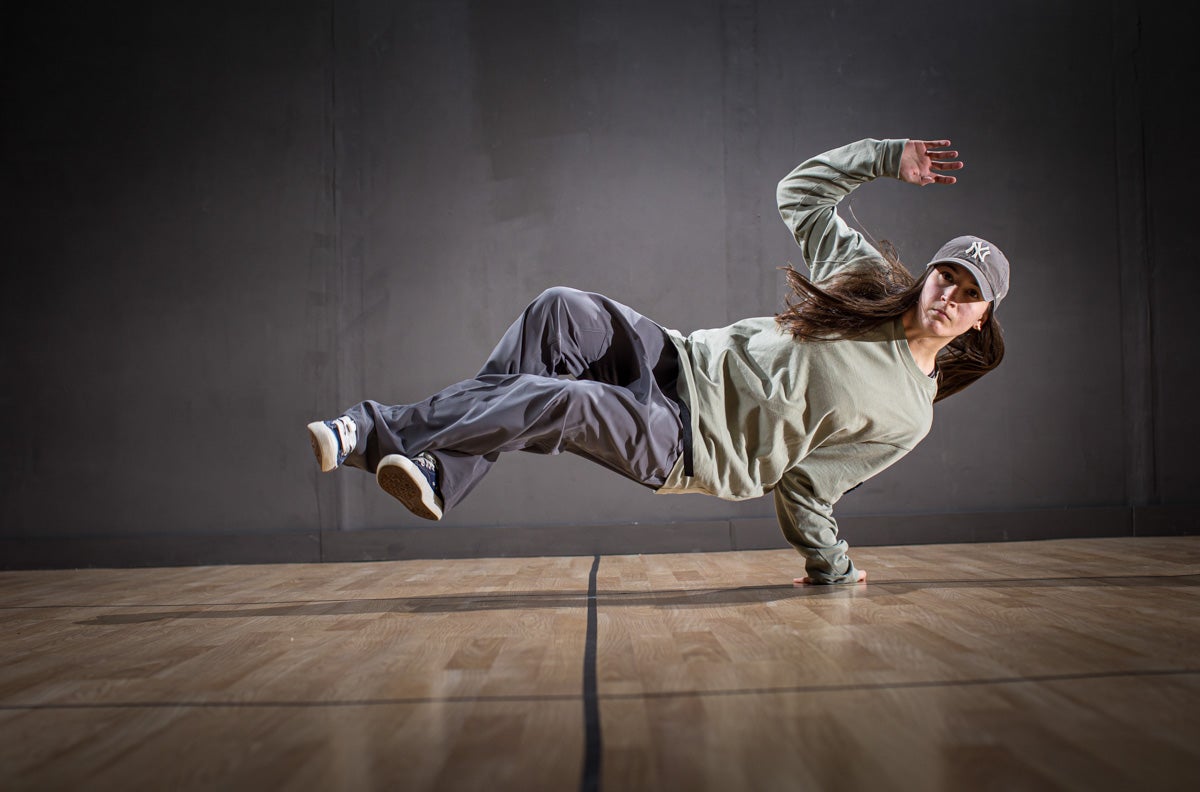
(488, 415)
(614, 411)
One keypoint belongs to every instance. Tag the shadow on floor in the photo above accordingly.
(671, 598)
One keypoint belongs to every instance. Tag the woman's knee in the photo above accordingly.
(556, 295)
(559, 306)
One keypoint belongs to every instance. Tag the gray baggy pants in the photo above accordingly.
(576, 372)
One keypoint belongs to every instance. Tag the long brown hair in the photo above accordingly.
(866, 293)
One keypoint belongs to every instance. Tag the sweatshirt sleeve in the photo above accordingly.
(805, 497)
(808, 198)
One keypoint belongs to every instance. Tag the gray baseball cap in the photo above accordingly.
(985, 262)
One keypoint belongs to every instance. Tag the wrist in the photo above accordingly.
(891, 153)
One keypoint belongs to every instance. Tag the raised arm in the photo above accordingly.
(809, 195)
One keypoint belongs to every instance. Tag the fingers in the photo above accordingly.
(939, 166)
(940, 161)
(931, 178)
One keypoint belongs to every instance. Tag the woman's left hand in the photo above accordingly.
(921, 165)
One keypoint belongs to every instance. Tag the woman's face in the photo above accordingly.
(951, 302)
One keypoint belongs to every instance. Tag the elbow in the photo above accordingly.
(788, 207)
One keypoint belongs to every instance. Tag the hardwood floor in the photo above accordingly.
(1067, 664)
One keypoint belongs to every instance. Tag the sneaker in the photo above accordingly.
(332, 441)
(413, 481)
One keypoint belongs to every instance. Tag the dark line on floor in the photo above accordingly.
(590, 779)
(852, 687)
(498, 597)
(568, 697)
(302, 704)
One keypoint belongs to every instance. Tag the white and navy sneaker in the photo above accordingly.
(332, 441)
(413, 481)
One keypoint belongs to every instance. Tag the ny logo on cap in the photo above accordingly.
(978, 251)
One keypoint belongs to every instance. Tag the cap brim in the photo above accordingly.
(971, 267)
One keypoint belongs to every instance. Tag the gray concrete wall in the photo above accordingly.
(227, 221)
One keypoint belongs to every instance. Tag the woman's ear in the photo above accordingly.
(986, 313)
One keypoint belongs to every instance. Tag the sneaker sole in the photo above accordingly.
(324, 445)
(404, 481)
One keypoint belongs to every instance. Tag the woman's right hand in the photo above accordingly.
(921, 165)
(861, 577)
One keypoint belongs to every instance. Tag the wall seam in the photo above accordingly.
(1134, 260)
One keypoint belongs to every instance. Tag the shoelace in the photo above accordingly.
(428, 466)
(347, 434)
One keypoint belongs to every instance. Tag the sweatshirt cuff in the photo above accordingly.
(890, 152)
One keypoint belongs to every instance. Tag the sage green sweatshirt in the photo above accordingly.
(807, 421)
